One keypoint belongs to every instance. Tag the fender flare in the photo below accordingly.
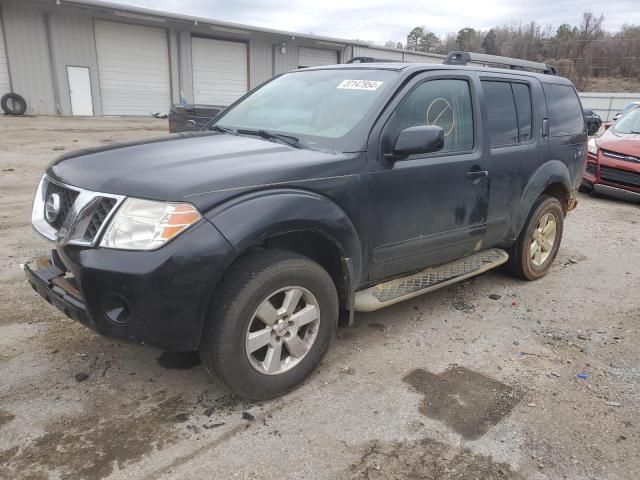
(553, 171)
(252, 218)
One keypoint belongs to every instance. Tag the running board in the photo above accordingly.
(400, 289)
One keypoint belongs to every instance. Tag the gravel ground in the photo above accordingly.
(451, 385)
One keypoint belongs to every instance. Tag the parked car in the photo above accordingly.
(323, 192)
(627, 108)
(613, 160)
(192, 117)
(594, 122)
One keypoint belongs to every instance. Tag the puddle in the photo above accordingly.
(93, 447)
(426, 459)
(179, 360)
(466, 401)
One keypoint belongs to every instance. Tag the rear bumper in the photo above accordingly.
(157, 298)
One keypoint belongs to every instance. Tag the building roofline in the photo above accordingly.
(339, 42)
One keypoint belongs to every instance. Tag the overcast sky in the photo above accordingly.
(382, 20)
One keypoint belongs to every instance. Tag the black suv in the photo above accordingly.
(323, 192)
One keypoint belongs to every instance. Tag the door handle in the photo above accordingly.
(473, 174)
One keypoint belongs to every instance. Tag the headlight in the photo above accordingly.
(592, 147)
(147, 225)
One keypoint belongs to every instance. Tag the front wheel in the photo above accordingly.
(538, 243)
(270, 323)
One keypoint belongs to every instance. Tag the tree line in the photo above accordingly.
(581, 52)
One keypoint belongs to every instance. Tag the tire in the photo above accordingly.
(521, 264)
(257, 278)
(17, 106)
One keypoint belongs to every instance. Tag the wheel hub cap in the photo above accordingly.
(543, 239)
(282, 330)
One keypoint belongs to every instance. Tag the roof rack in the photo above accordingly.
(464, 58)
(370, 60)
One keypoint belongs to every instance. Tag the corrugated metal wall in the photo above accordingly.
(42, 38)
(403, 56)
(607, 104)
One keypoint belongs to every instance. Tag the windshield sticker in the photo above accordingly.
(359, 85)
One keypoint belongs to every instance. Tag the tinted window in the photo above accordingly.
(588, 113)
(565, 112)
(445, 103)
(501, 112)
(522, 96)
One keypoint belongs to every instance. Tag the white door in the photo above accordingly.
(133, 67)
(4, 68)
(220, 73)
(80, 91)
(316, 57)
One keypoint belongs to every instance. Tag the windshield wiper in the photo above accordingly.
(288, 139)
(218, 128)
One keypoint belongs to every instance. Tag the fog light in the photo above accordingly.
(115, 309)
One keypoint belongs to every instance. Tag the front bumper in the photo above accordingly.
(158, 298)
(606, 174)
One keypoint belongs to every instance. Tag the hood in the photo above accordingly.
(192, 166)
(625, 143)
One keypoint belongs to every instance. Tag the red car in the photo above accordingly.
(613, 160)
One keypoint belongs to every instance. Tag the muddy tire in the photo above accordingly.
(270, 323)
(538, 243)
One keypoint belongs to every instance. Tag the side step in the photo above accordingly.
(400, 289)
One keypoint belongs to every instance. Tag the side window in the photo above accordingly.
(565, 113)
(501, 112)
(445, 103)
(522, 95)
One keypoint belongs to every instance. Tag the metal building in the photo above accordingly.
(87, 57)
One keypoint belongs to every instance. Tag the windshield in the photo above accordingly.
(630, 123)
(317, 106)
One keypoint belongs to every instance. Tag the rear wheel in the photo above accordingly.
(538, 243)
(270, 323)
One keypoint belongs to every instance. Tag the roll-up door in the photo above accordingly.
(316, 57)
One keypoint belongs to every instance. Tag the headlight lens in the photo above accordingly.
(147, 225)
(592, 146)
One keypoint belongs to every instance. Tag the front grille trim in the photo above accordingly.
(83, 222)
(621, 156)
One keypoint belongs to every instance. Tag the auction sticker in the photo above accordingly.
(359, 85)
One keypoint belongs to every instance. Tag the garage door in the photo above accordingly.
(133, 64)
(4, 69)
(316, 57)
(219, 70)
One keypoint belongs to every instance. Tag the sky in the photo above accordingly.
(382, 20)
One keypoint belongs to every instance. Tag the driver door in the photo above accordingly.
(428, 209)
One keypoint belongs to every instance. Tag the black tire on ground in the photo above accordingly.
(13, 104)
(249, 282)
(520, 262)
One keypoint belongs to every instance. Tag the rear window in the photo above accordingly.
(501, 110)
(509, 112)
(565, 112)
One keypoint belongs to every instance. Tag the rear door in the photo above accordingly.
(428, 209)
(514, 108)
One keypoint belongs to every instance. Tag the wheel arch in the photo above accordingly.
(552, 178)
(296, 220)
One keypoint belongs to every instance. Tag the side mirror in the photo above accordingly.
(415, 140)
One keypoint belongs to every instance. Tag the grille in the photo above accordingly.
(97, 219)
(621, 156)
(67, 197)
(621, 177)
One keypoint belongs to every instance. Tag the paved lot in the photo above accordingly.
(452, 385)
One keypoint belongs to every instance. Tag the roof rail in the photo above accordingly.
(464, 58)
(369, 60)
